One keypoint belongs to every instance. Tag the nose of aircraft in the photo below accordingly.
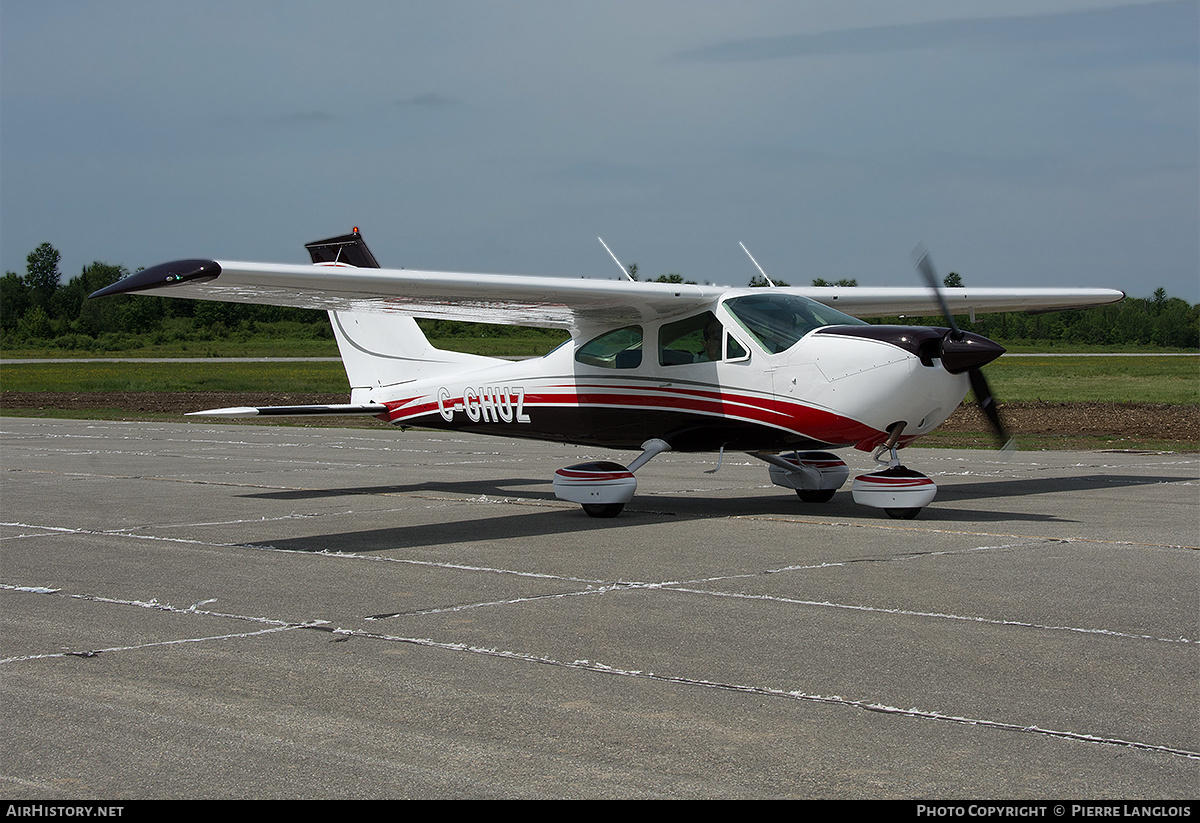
(959, 351)
(963, 351)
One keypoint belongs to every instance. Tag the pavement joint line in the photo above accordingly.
(764, 691)
(937, 615)
(601, 587)
(586, 665)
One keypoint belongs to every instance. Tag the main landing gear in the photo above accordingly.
(815, 476)
(604, 487)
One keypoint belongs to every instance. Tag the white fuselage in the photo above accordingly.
(824, 390)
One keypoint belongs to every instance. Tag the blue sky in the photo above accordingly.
(1025, 143)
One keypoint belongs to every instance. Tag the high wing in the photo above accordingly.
(556, 302)
(862, 301)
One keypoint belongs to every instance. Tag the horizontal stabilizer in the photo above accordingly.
(292, 411)
(348, 249)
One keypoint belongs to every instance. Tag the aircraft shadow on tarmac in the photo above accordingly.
(519, 523)
(508, 487)
(481, 530)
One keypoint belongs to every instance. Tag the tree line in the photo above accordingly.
(37, 309)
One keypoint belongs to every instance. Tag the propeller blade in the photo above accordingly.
(965, 353)
(924, 265)
(987, 404)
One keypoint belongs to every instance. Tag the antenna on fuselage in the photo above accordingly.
(755, 262)
(624, 270)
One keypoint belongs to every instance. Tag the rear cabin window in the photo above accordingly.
(619, 349)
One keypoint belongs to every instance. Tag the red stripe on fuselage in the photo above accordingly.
(797, 418)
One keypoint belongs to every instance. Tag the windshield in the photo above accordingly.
(777, 321)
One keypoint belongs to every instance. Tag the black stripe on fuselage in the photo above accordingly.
(618, 428)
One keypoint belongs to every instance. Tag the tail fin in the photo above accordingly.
(380, 350)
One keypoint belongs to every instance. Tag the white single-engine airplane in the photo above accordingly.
(781, 373)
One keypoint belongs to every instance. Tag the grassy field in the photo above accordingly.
(134, 375)
(1068, 379)
(1109, 379)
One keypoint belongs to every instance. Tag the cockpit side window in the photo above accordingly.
(777, 321)
(696, 339)
(618, 349)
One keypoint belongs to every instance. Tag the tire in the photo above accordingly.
(815, 495)
(603, 509)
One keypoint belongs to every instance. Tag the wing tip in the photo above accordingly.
(162, 276)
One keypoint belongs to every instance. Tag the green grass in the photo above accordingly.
(133, 375)
(1115, 379)
(1060, 347)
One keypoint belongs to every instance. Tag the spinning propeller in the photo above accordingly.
(965, 352)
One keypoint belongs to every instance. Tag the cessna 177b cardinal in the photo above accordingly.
(785, 374)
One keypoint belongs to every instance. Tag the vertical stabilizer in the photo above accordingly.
(381, 350)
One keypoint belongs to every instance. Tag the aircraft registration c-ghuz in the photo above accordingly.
(785, 374)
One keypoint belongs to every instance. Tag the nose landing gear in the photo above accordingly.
(899, 491)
